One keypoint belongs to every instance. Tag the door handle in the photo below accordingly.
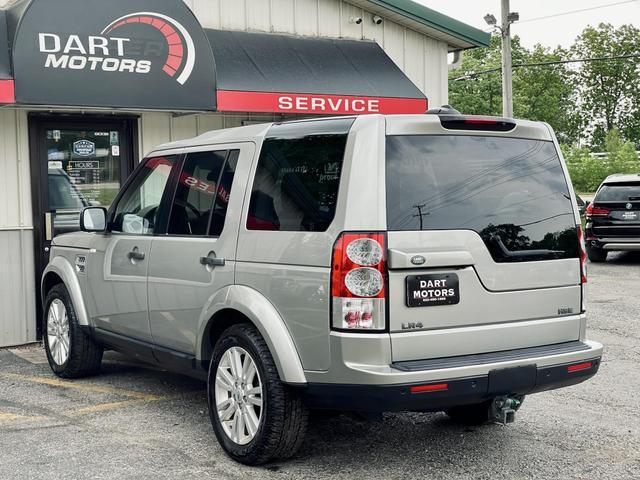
(135, 254)
(212, 262)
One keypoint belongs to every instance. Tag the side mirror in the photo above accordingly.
(93, 219)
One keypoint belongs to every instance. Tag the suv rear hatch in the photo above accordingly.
(483, 245)
(615, 211)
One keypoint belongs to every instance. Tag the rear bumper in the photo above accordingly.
(364, 386)
(522, 380)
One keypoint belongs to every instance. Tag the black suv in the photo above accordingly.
(613, 218)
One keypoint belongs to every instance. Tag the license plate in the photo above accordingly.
(629, 215)
(433, 289)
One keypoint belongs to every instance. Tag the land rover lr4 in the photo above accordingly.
(380, 263)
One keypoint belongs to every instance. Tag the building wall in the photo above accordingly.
(17, 281)
(423, 59)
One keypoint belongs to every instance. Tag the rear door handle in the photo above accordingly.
(135, 254)
(212, 261)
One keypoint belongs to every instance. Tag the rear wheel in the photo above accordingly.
(70, 351)
(256, 418)
(596, 255)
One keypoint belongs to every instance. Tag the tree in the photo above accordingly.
(539, 93)
(609, 91)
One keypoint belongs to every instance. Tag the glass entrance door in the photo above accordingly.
(83, 168)
(75, 162)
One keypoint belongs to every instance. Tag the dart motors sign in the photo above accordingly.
(134, 53)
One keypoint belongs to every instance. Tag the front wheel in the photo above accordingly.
(70, 351)
(256, 418)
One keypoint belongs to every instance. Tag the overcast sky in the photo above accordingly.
(559, 30)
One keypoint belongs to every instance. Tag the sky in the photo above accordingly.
(550, 32)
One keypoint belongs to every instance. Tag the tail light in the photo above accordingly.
(475, 122)
(359, 282)
(592, 211)
(583, 256)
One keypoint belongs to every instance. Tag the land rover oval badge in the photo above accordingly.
(418, 260)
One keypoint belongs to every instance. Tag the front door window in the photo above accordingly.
(137, 209)
(83, 168)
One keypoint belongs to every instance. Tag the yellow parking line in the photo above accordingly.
(83, 387)
(10, 417)
(101, 407)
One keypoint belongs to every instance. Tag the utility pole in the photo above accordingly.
(420, 214)
(507, 86)
(507, 18)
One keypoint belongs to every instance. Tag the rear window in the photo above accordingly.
(512, 192)
(618, 192)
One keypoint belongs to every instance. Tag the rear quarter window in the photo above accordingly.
(512, 192)
(296, 183)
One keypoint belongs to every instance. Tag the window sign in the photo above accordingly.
(84, 148)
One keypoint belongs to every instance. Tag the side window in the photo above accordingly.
(137, 210)
(296, 184)
(202, 189)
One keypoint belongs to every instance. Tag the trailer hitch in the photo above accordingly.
(503, 409)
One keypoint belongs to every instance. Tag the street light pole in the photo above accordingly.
(507, 87)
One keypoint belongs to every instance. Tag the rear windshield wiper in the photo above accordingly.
(506, 253)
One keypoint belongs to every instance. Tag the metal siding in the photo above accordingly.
(259, 15)
(208, 12)
(329, 18)
(17, 277)
(282, 16)
(155, 128)
(306, 17)
(394, 43)
(184, 127)
(15, 180)
(415, 58)
(370, 30)
(436, 72)
(350, 30)
(207, 123)
(17, 293)
(232, 14)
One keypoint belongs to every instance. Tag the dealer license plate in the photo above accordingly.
(433, 289)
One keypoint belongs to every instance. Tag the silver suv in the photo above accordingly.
(380, 263)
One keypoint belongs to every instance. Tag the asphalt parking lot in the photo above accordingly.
(137, 422)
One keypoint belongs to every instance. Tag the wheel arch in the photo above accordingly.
(59, 270)
(241, 304)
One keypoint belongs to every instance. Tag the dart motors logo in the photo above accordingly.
(110, 52)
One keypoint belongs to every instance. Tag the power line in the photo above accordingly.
(576, 11)
(543, 64)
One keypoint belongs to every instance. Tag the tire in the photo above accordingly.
(83, 355)
(596, 255)
(471, 415)
(282, 417)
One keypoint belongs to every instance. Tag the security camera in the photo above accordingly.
(356, 20)
(377, 19)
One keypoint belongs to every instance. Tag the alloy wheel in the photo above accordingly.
(58, 331)
(238, 395)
